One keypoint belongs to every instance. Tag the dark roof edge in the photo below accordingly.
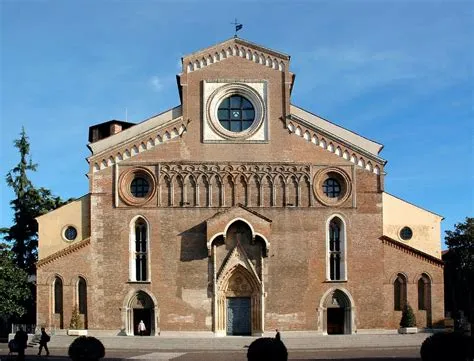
(413, 250)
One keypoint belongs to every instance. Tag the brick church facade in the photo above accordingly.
(237, 212)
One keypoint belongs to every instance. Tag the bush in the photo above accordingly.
(86, 348)
(447, 346)
(408, 317)
(76, 321)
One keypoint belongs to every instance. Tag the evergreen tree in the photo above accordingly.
(29, 203)
(408, 317)
(460, 267)
(14, 288)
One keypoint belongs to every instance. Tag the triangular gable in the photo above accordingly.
(237, 257)
(218, 224)
(235, 47)
(344, 143)
(412, 251)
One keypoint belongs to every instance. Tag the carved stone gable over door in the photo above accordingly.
(238, 244)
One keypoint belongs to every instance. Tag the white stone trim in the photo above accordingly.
(132, 253)
(141, 145)
(213, 56)
(317, 137)
(343, 245)
(136, 131)
(350, 137)
(214, 91)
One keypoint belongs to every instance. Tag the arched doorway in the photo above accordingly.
(141, 307)
(336, 313)
(239, 303)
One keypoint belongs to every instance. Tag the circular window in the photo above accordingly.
(236, 113)
(332, 186)
(406, 233)
(137, 186)
(70, 233)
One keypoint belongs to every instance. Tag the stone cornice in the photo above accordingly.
(412, 251)
(142, 142)
(235, 47)
(64, 252)
(334, 144)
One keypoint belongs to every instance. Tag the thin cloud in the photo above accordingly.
(156, 83)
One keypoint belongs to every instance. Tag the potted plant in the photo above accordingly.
(408, 321)
(76, 326)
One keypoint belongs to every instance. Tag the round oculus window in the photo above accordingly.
(236, 113)
(406, 233)
(139, 187)
(70, 233)
(331, 188)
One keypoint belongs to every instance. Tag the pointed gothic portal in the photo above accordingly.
(141, 307)
(238, 287)
(337, 313)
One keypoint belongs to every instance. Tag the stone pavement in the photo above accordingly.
(293, 341)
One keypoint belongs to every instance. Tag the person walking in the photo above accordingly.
(45, 338)
(141, 328)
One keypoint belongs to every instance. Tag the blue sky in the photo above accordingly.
(398, 72)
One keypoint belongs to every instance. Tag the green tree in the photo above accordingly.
(76, 321)
(14, 287)
(408, 317)
(29, 203)
(460, 266)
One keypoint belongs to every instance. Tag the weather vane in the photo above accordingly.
(238, 26)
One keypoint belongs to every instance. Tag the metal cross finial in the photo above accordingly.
(238, 26)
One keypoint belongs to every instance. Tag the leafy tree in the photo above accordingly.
(14, 287)
(460, 266)
(30, 202)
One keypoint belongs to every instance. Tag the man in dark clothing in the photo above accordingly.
(44, 342)
(21, 339)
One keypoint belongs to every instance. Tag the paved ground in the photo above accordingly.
(301, 346)
(293, 341)
(399, 354)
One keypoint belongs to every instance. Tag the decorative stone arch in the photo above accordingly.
(420, 275)
(394, 276)
(140, 299)
(80, 297)
(239, 282)
(337, 297)
(57, 318)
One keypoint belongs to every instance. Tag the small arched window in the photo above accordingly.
(139, 251)
(399, 292)
(336, 250)
(82, 296)
(58, 295)
(424, 292)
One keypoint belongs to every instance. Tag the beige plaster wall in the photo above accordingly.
(426, 226)
(51, 226)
